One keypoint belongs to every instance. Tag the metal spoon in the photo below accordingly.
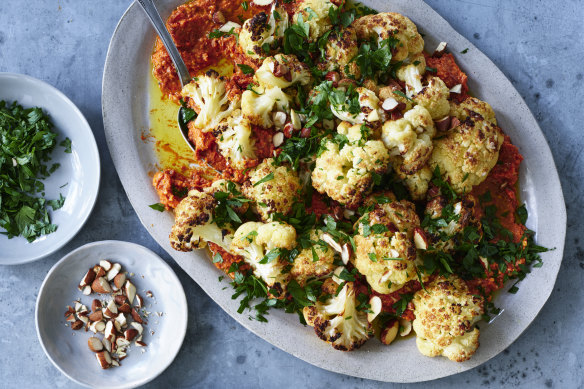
(183, 73)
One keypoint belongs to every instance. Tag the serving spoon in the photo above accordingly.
(183, 73)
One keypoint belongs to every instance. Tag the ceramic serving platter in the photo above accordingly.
(77, 179)
(126, 115)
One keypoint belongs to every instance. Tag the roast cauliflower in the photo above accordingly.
(262, 30)
(337, 321)
(315, 14)
(434, 97)
(282, 71)
(233, 137)
(193, 224)
(259, 244)
(446, 312)
(341, 47)
(416, 183)
(410, 138)
(346, 174)
(210, 99)
(387, 25)
(305, 266)
(412, 73)
(472, 106)
(369, 109)
(467, 153)
(272, 188)
(386, 252)
(258, 104)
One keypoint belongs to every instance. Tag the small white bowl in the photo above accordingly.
(77, 178)
(68, 350)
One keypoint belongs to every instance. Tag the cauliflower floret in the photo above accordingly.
(467, 153)
(259, 244)
(272, 188)
(434, 97)
(229, 187)
(410, 138)
(412, 74)
(369, 104)
(262, 29)
(234, 140)
(193, 226)
(341, 48)
(470, 105)
(211, 100)
(387, 92)
(395, 215)
(282, 71)
(305, 266)
(346, 175)
(337, 321)
(417, 182)
(459, 216)
(391, 25)
(446, 312)
(258, 104)
(315, 14)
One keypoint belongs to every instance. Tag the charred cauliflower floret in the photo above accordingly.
(258, 104)
(391, 25)
(315, 263)
(230, 188)
(210, 99)
(282, 71)
(259, 244)
(455, 218)
(417, 183)
(272, 188)
(315, 14)
(468, 152)
(369, 108)
(341, 47)
(233, 137)
(434, 97)
(446, 312)
(412, 73)
(385, 249)
(262, 29)
(337, 321)
(472, 104)
(193, 224)
(410, 139)
(345, 174)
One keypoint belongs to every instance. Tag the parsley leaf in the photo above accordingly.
(157, 207)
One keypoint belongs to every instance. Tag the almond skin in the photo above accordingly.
(96, 316)
(125, 308)
(119, 280)
(94, 344)
(130, 334)
(77, 324)
(95, 305)
(136, 316)
(120, 300)
(100, 285)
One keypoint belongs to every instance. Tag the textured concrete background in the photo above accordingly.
(538, 44)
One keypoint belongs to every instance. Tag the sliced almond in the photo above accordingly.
(136, 316)
(69, 311)
(96, 316)
(111, 310)
(390, 332)
(87, 279)
(120, 299)
(228, 26)
(77, 324)
(109, 332)
(107, 345)
(443, 124)
(389, 104)
(331, 242)
(420, 239)
(71, 318)
(86, 290)
(405, 327)
(122, 342)
(115, 363)
(456, 88)
(295, 119)
(279, 119)
(375, 309)
(139, 301)
(139, 343)
(440, 49)
(94, 344)
(104, 359)
(83, 318)
(278, 139)
(113, 272)
(105, 264)
(346, 253)
(130, 334)
(130, 291)
(95, 305)
(119, 280)
(100, 285)
(138, 327)
(125, 308)
(99, 271)
(121, 320)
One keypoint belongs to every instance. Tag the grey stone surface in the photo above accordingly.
(538, 45)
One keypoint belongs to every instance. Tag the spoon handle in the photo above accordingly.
(150, 9)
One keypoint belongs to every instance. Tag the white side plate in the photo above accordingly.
(125, 105)
(77, 178)
(68, 350)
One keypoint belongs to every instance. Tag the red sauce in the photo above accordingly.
(450, 73)
(172, 186)
(228, 260)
